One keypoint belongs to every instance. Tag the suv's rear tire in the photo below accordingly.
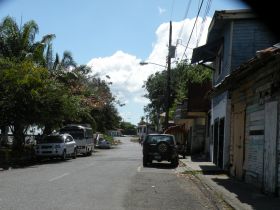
(175, 162)
(145, 161)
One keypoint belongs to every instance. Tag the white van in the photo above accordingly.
(83, 137)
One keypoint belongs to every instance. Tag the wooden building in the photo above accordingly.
(233, 38)
(254, 89)
(193, 114)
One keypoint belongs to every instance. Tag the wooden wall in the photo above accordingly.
(262, 139)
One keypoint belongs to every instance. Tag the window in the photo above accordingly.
(89, 133)
(155, 139)
(53, 139)
(76, 134)
(220, 60)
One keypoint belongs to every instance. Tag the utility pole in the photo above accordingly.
(168, 79)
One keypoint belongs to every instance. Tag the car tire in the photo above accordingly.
(145, 161)
(74, 154)
(63, 156)
(175, 162)
(90, 153)
(162, 147)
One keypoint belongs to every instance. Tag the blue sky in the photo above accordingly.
(114, 36)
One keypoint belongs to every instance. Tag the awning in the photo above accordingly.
(206, 52)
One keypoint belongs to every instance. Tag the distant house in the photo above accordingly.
(143, 129)
(114, 133)
(233, 38)
(255, 119)
(192, 113)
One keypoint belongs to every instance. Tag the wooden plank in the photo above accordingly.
(256, 127)
(254, 108)
(238, 120)
(270, 146)
(255, 116)
(256, 139)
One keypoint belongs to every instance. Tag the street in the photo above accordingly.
(108, 180)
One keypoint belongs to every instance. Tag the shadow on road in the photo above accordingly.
(249, 194)
(33, 163)
(161, 166)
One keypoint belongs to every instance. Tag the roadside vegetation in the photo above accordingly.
(38, 87)
(181, 76)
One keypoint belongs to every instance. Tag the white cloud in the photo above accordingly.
(141, 100)
(161, 10)
(128, 76)
(124, 70)
(180, 34)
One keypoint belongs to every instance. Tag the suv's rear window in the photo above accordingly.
(76, 134)
(52, 139)
(155, 139)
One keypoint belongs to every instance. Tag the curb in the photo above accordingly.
(223, 194)
(219, 192)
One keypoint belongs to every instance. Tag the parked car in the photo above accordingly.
(98, 137)
(160, 147)
(56, 145)
(103, 144)
(83, 135)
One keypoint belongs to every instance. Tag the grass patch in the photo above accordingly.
(111, 139)
(108, 138)
(192, 172)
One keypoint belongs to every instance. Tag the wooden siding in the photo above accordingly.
(249, 36)
(258, 125)
(270, 146)
(237, 139)
(254, 145)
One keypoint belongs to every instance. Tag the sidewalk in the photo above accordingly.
(239, 195)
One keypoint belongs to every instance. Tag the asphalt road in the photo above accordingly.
(108, 180)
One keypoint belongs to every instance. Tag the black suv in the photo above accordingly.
(160, 147)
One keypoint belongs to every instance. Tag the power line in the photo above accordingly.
(185, 16)
(207, 9)
(192, 30)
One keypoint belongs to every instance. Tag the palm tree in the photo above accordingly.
(18, 43)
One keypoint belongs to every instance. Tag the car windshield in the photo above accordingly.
(76, 134)
(52, 139)
(155, 139)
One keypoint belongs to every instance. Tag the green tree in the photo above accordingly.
(18, 43)
(128, 128)
(28, 93)
(21, 85)
(181, 76)
(39, 89)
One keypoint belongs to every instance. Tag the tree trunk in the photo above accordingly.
(19, 137)
(47, 130)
